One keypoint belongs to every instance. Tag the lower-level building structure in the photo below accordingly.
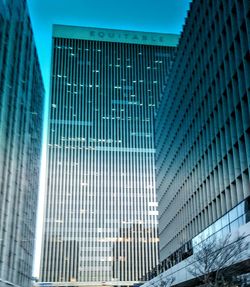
(185, 272)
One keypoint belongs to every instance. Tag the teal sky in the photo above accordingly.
(163, 16)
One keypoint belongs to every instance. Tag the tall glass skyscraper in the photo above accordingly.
(203, 142)
(21, 109)
(100, 221)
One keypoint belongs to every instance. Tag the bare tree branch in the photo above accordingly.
(214, 261)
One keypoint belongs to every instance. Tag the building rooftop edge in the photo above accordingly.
(113, 35)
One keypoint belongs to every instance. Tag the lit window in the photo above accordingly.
(153, 203)
(58, 221)
(54, 106)
(153, 212)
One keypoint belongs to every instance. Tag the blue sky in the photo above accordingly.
(164, 16)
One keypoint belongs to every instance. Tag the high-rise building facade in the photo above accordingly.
(203, 132)
(100, 221)
(21, 109)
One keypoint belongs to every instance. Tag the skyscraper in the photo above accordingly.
(203, 135)
(21, 108)
(100, 220)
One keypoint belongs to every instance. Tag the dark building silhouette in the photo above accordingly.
(21, 109)
(203, 134)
